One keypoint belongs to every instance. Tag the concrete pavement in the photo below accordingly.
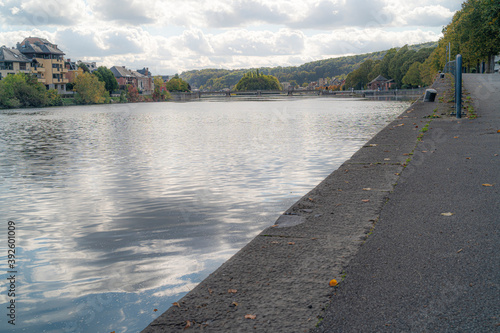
(432, 263)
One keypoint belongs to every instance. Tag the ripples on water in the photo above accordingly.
(122, 209)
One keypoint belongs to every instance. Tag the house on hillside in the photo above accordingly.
(381, 83)
(12, 61)
(47, 62)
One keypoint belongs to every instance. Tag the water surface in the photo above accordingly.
(122, 209)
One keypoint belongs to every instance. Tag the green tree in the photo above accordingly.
(106, 75)
(359, 78)
(21, 90)
(89, 90)
(84, 67)
(54, 99)
(254, 80)
(177, 84)
(412, 77)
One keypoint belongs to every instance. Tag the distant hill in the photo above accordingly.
(217, 79)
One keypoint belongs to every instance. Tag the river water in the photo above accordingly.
(119, 210)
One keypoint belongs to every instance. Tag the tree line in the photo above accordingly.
(218, 79)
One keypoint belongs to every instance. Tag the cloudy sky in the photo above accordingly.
(171, 36)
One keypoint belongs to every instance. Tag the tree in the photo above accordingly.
(177, 84)
(254, 80)
(132, 94)
(21, 90)
(106, 75)
(160, 93)
(84, 67)
(90, 90)
(412, 77)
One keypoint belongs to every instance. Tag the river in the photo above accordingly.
(119, 210)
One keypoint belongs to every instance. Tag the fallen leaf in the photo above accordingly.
(291, 243)
(487, 185)
(373, 145)
(455, 137)
(333, 283)
(387, 159)
(210, 291)
(447, 214)
(311, 199)
(459, 250)
(498, 131)
(250, 316)
(367, 189)
(176, 304)
(155, 310)
(234, 304)
(232, 291)
(406, 154)
(275, 242)
(424, 151)
(366, 200)
(188, 324)
(467, 158)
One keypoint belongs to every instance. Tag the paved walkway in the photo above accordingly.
(423, 271)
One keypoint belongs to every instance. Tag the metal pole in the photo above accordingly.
(458, 86)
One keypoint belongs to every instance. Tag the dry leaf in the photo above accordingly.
(455, 137)
(176, 304)
(366, 200)
(232, 291)
(467, 158)
(250, 316)
(373, 145)
(210, 291)
(333, 283)
(498, 131)
(275, 242)
(291, 243)
(188, 324)
(487, 185)
(367, 189)
(459, 251)
(234, 304)
(155, 310)
(447, 214)
(387, 159)
(406, 154)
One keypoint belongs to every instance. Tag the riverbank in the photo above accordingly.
(279, 282)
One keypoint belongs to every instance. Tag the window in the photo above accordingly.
(22, 66)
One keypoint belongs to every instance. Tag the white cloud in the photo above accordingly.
(176, 35)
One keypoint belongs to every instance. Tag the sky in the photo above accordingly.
(172, 36)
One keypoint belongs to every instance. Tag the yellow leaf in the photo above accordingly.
(250, 316)
(333, 283)
(487, 185)
(291, 243)
(447, 214)
(176, 304)
(188, 324)
(232, 291)
(498, 131)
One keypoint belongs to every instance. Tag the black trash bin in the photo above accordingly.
(430, 95)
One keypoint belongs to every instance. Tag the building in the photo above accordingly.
(12, 61)
(380, 83)
(47, 62)
(73, 70)
(124, 76)
(92, 66)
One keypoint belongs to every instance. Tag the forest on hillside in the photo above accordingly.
(218, 79)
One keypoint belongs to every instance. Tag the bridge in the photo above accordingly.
(297, 92)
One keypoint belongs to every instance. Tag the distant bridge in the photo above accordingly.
(298, 92)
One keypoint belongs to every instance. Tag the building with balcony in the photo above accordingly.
(12, 61)
(47, 62)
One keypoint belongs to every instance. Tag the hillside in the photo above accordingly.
(217, 79)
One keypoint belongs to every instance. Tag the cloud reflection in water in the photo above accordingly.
(122, 209)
